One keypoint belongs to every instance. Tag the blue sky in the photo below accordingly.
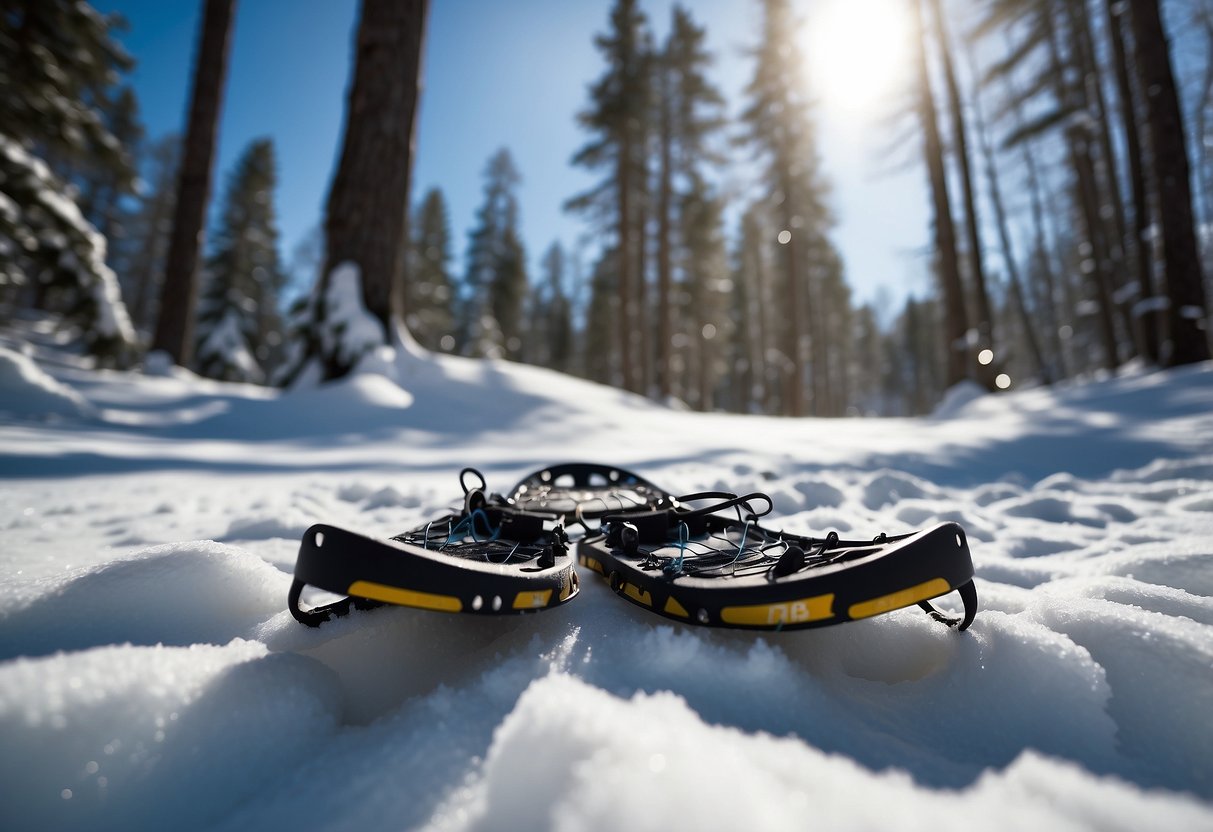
(514, 74)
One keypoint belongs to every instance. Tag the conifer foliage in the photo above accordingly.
(239, 327)
(59, 64)
(495, 282)
(430, 286)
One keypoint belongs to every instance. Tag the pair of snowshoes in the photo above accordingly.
(702, 559)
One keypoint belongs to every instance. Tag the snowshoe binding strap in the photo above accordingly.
(630, 529)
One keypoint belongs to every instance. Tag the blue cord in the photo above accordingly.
(673, 567)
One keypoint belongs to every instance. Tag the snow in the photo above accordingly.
(28, 392)
(150, 674)
(226, 347)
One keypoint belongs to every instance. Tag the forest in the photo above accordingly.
(1066, 156)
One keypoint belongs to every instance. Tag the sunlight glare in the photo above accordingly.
(857, 52)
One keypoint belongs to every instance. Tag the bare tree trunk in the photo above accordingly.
(175, 323)
(1004, 239)
(955, 323)
(643, 333)
(1184, 277)
(366, 219)
(794, 400)
(1078, 149)
(664, 267)
(960, 146)
(1115, 225)
(624, 186)
(764, 328)
(1148, 319)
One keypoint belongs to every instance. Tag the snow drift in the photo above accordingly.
(151, 675)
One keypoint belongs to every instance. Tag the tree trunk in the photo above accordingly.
(1184, 277)
(665, 187)
(1148, 319)
(793, 404)
(1115, 226)
(366, 218)
(960, 145)
(955, 322)
(640, 288)
(624, 186)
(175, 324)
(1004, 239)
(1078, 149)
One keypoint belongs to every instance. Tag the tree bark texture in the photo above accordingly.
(1086, 186)
(366, 218)
(1149, 320)
(955, 322)
(960, 146)
(175, 323)
(1181, 257)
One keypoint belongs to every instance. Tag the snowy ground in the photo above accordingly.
(150, 675)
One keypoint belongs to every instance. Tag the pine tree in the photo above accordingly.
(703, 272)
(431, 296)
(239, 326)
(495, 282)
(689, 115)
(618, 121)
(58, 64)
(779, 128)
(139, 254)
(551, 318)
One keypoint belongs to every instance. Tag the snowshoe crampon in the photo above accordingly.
(701, 567)
(489, 558)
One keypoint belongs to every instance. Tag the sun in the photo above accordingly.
(857, 52)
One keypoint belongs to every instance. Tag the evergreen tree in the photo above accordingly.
(617, 118)
(551, 318)
(690, 113)
(138, 255)
(239, 327)
(600, 354)
(430, 299)
(703, 274)
(495, 282)
(779, 128)
(58, 63)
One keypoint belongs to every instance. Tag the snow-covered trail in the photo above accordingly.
(149, 673)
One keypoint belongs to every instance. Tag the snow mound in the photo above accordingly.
(569, 750)
(26, 391)
(125, 737)
(957, 400)
(180, 593)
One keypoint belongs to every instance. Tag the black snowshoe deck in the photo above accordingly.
(719, 571)
(488, 559)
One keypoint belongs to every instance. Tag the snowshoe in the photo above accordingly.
(582, 491)
(488, 558)
(700, 567)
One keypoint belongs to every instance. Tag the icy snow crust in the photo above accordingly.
(150, 676)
